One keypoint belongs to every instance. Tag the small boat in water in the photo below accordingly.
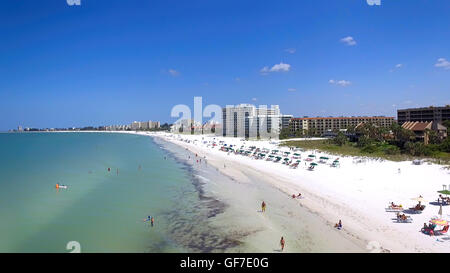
(58, 186)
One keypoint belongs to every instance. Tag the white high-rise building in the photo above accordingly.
(249, 121)
(135, 125)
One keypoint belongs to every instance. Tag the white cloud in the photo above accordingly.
(237, 79)
(254, 99)
(290, 50)
(442, 62)
(173, 72)
(292, 89)
(349, 41)
(342, 83)
(281, 67)
(397, 66)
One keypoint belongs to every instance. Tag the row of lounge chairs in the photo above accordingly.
(401, 217)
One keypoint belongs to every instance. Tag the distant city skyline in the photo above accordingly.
(105, 64)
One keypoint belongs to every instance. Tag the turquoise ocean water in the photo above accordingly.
(102, 210)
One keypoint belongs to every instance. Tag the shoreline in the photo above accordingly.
(304, 231)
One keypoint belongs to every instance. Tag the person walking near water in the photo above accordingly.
(282, 243)
(263, 206)
(150, 219)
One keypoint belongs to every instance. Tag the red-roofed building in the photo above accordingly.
(422, 129)
(322, 125)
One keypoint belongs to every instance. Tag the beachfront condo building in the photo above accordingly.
(117, 127)
(145, 125)
(424, 114)
(251, 122)
(323, 125)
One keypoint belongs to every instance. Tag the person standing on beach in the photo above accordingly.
(263, 206)
(152, 221)
(282, 243)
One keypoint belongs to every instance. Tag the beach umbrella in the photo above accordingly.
(286, 159)
(324, 157)
(439, 222)
(311, 156)
(419, 199)
(298, 161)
(270, 155)
(296, 154)
(313, 164)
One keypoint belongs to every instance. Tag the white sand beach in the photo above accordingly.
(356, 193)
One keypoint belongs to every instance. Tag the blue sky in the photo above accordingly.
(112, 62)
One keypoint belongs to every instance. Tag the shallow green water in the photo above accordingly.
(102, 210)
